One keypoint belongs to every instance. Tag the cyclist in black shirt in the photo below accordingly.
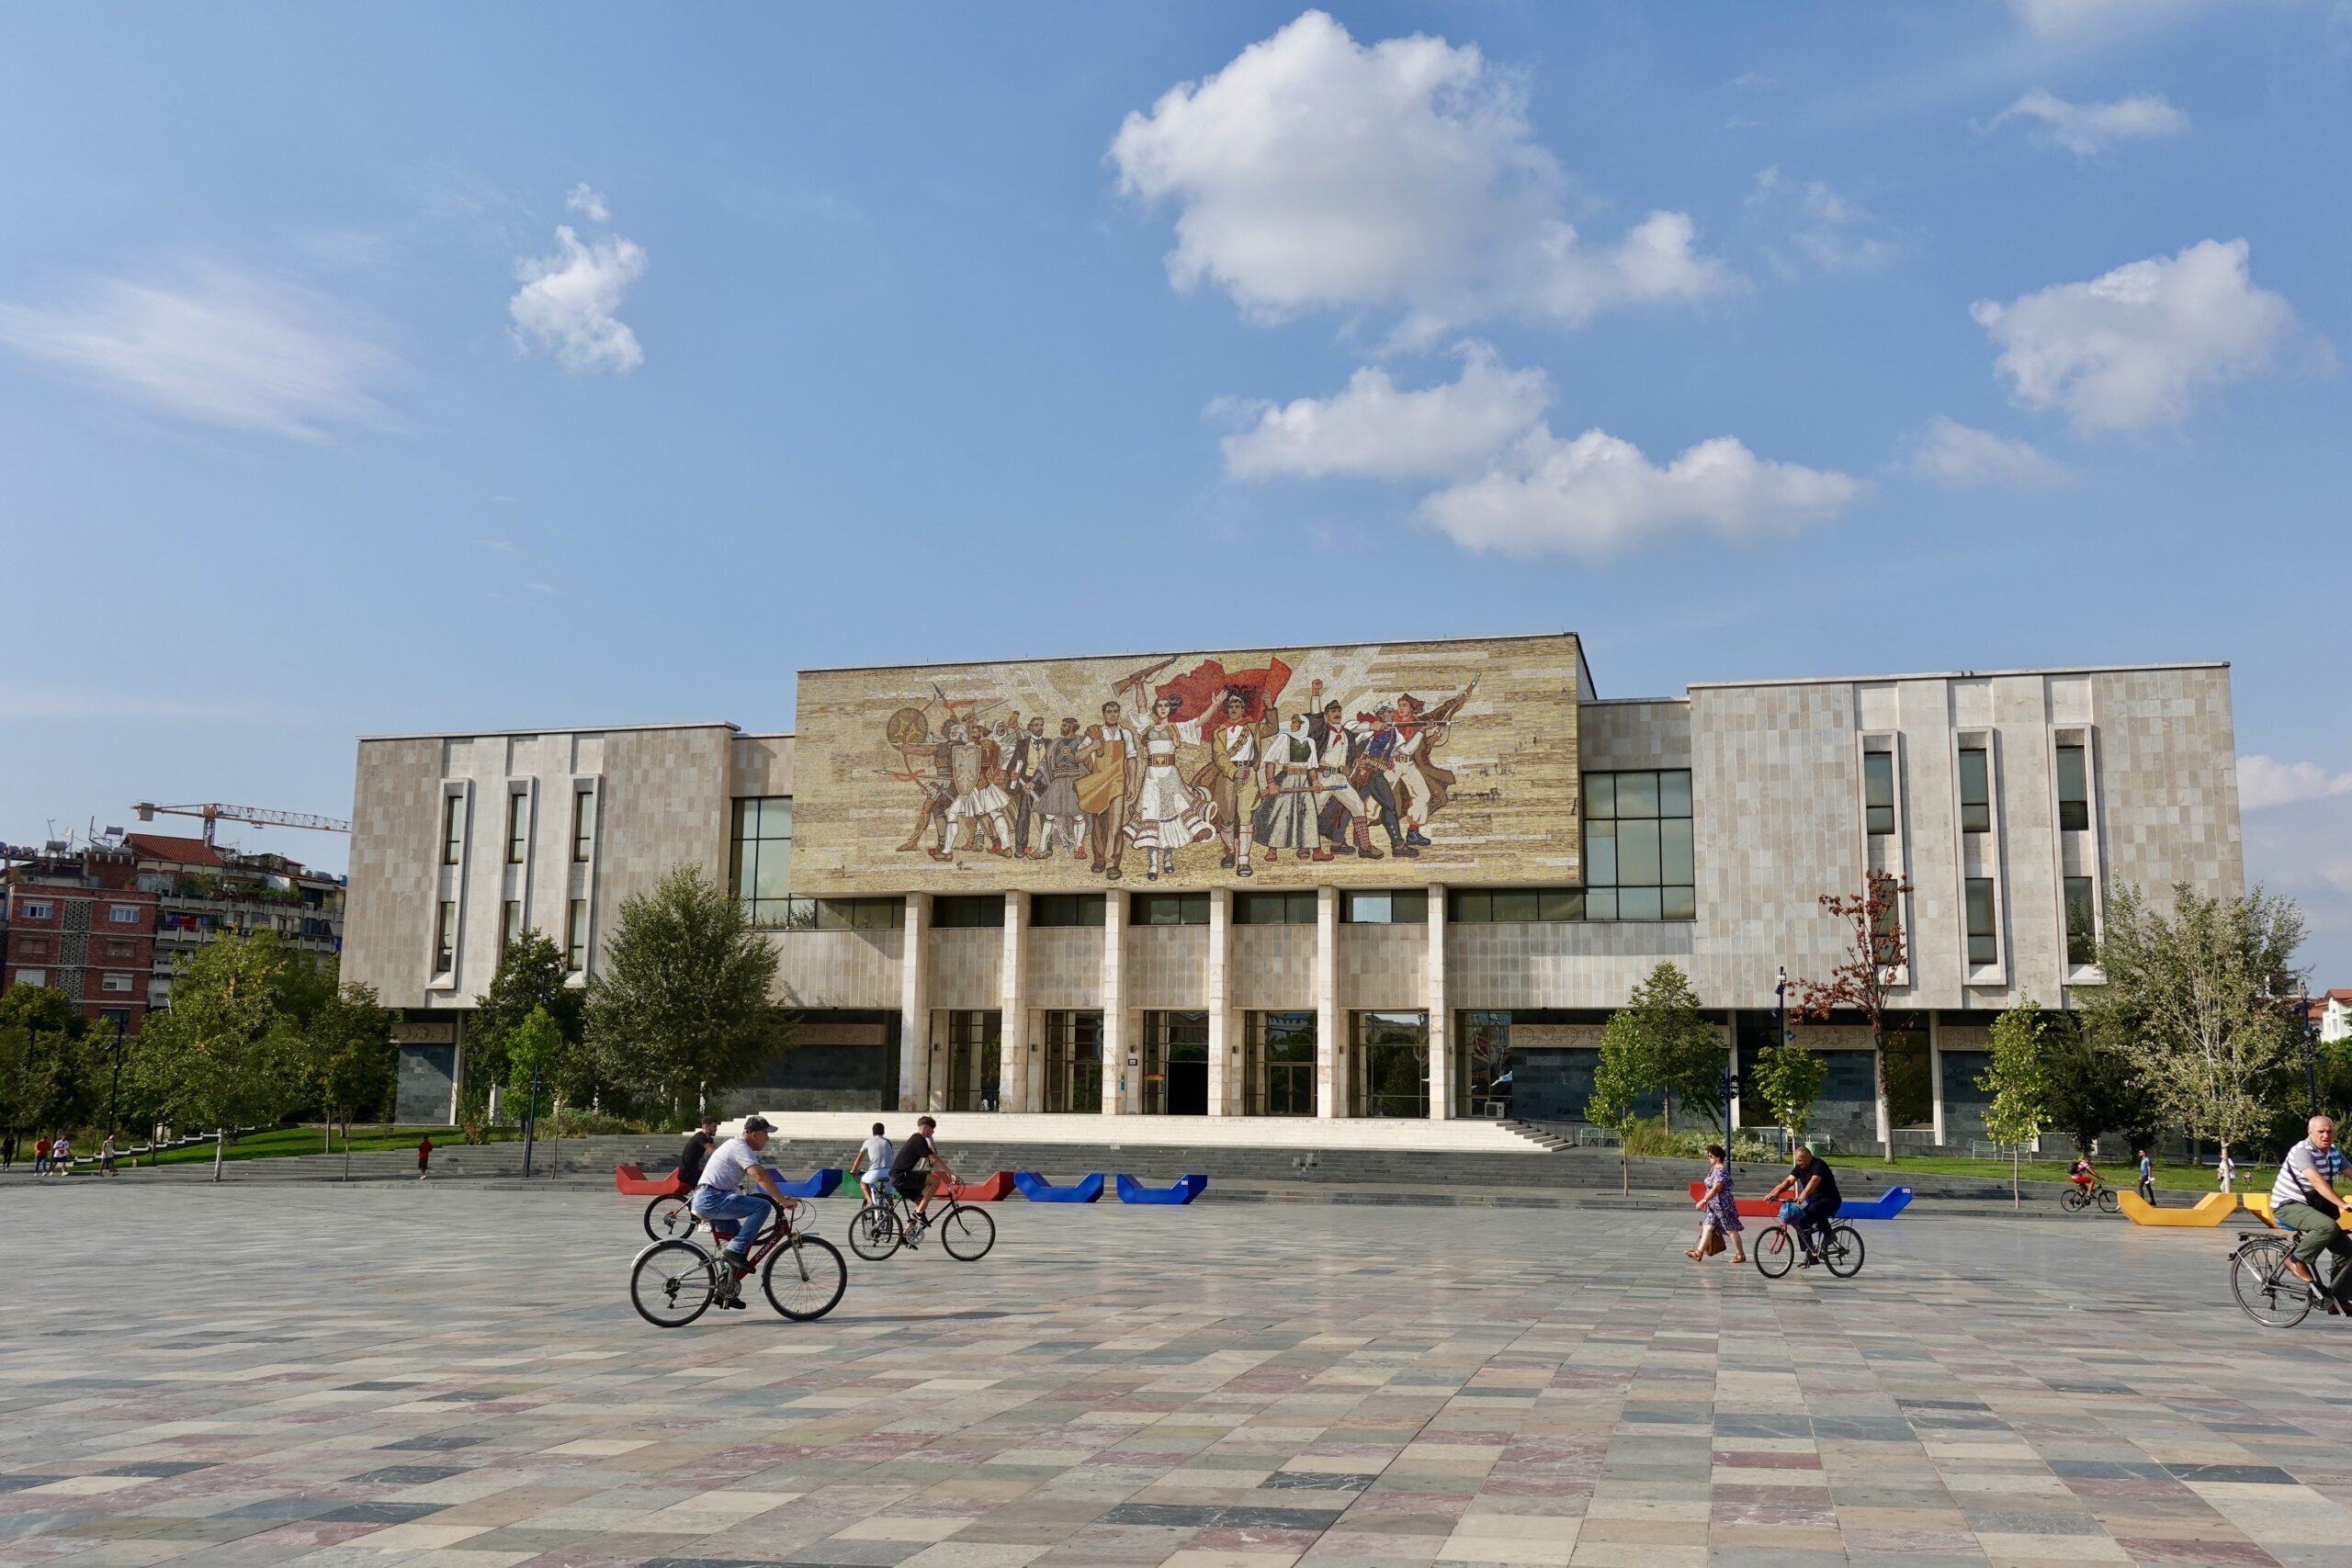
(699, 1143)
(908, 1176)
(1813, 1185)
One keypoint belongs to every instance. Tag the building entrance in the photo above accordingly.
(1176, 1063)
(1278, 1064)
(1074, 1062)
(1392, 1063)
(974, 1056)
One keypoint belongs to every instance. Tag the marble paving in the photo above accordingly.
(450, 1377)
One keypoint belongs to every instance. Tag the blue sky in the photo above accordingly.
(456, 367)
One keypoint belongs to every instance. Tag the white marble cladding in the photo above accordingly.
(1166, 967)
(395, 867)
(1065, 967)
(1634, 733)
(1384, 967)
(1273, 968)
(967, 965)
(1560, 966)
(838, 969)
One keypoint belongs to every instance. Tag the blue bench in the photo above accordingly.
(821, 1184)
(1885, 1206)
(1187, 1187)
(1037, 1190)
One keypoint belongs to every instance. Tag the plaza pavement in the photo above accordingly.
(450, 1377)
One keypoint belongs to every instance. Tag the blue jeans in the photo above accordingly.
(747, 1212)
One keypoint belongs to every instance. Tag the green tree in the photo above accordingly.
(222, 1054)
(2189, 1004)
(680, 1004)
(343, 1056)
(546, 1072)
(1623, 1073)
(2017, 1075)
(2089, 1089)
(532, 976)
(1681, 1052)
(47, 1076)
(1788, 1078)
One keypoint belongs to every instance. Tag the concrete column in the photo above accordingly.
(1936, 1072)
(1114, 1001)
(914, 1006)
(1442, 1043)
(1013, 991)
(1223, 1037)
(1330, 1024)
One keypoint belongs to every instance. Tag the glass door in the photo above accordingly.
(974, 1056)
(1392, 1062)
(1074, 1063)
(1176, 1063)
(1278, 1064)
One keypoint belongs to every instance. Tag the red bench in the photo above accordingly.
(635, 1183)
(994, 1189)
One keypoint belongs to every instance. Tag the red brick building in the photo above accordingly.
(82, 925)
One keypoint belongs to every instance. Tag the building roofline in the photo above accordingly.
(547, 730)
(1630, 701)
(1957, 675)
(1162, 652)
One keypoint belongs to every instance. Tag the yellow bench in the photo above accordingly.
(2259, 1205)
(2208, 1211)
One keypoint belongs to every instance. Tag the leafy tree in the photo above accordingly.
(2089, 1089)
(2017, 1073)
(1681, 1052)
(547, 1071)
(221, 1055)
(682, 1000)
(47, 1076)
(2189, 1004)
(343, 1056)
(1861, 980)
(532, 976)
(1788, 1078)
(1625, 1070)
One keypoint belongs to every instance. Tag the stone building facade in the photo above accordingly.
(1701, 830)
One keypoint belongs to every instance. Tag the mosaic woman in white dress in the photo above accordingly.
(1168, 813)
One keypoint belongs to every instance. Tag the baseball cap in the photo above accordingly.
(758, 1124)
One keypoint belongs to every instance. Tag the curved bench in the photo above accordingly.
(2209, 1211)
(1750, 1208)
(999, 1186)
(1187, 1187)
(1885, 1206)
(1037, 1190)
(821, 1183)
(2259, 1205)
(633, 1182)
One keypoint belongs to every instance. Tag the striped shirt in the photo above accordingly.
(2301, 1160)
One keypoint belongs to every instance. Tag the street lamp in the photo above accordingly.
(2308, 1032)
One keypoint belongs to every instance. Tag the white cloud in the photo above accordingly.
(569, 301)
(2085, 129)
(1372, 429)
(1313, 171)
(589, 203)
(2085, 19)
(2264, 783)
(1956, 454)
(1596, 494)
(2131, 348)
(1822, 228)
(221, 347)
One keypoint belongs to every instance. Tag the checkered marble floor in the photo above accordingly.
(450, 1377)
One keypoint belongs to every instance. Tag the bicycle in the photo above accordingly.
(2267, 1291)
(674, 1283)
(2083, 1197)
(1776, 1248)
(879, 1229)
(671, 1216)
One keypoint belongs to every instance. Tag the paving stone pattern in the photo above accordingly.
(450, 1377)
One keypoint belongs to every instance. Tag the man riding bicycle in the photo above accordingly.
(716, 1200)
(1813, 1185)
(872, 1164)
(914, 1183)
(2304, 1198)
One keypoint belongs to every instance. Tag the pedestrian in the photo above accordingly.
(105, 1156)
(424, 1156)
(60, 1156)
(1720, 1214)
(2147, 1180)
(40, 1156)
(2227, 1171)
(8, 1152)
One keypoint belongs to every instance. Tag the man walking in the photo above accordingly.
(2304, 1198)
(40, 1156)
(2147, 1180)
(8, 1152)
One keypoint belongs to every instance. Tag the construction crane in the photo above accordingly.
(214, 814)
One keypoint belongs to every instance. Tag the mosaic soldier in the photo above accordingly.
(1167, 813)
(1113, 759)
(1055, 786)
(1341, 810)
(1421, 785)
(1234, 743)
(1371, 759)
(931, 815)
(977, 799)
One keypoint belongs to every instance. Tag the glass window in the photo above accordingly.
(1066, 909)
(39, 912)
(575, 936)
(2082, 922)
(1169, 910)
(2073, 790)
(1486, 906)
(445, 937)
(1878, 791)
(583, 824)
(968, 911)
(518, 828)
(1403, 909)
(123, 914)
(114, 982)
(510, 924)
(1975, 791)
(844, 914)
(453, 829)
(761, 860)
(1275, 908)
(1640, 857)
(1981, 947)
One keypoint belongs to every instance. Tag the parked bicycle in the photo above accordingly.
(1776, 1250)
(2081, 1196)
(2271, 1293)
(888, 1221)
(674, 1283)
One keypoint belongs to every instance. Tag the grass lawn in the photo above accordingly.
(2169, 1178)
(281, 1140)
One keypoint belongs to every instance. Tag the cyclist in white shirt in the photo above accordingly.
(2304, 1198)
(872, 1166)
(718, 1200)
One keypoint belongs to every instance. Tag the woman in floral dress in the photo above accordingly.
(1719, 1212)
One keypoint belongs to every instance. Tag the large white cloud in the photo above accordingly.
(1595, 495)
(570, 302)
(1370, 428)
(2264, 782)
(2085, 129)
(1315, 170)
(1954, 453)
(2133, 348)
(230, 349)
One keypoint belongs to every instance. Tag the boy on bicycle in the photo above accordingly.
(716, 1200)
(915, 1184)
(872, 1166)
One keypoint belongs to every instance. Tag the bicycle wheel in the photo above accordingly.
(1844, 1252)
(2076, 1201)
(2266, 1287)
(966, 1233)
(805, 1278)
(2107, 1203)
(669, 1219)
(874, 1231)
(671, 1284)
(1775, 1251)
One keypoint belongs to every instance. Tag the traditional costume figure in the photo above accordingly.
(1421, 785)
(1234, 744)
(1023, 751)
(1339, 809)
(979, 801)
(937, 794)
(1055, 786)
(1373, 759)
(1113, 758)
(1286, 792)
(1168, 813)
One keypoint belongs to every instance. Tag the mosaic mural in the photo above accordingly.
(1269, 767)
